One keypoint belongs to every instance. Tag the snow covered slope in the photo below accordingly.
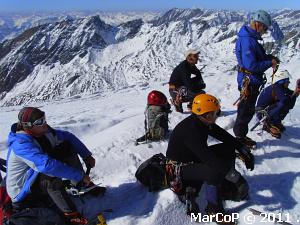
(108, 124)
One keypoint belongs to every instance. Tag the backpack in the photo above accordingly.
(5, 204)
(6, 209)
(28, 216)
(35, 216)
(152, 173)
(156, 121)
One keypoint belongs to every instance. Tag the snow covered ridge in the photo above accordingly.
(12, 24)
(86, 55)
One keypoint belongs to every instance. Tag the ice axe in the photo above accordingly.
(88, 170)
(265, 116)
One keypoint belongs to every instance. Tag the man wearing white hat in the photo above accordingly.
(182, 86)
(277, 99)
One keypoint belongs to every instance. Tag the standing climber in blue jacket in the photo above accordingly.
(275, 101)
(38, 160)
(252, 63)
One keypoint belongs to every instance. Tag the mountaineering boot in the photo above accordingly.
(75, 218)
(217, 213)
(272, 129)
(238, 191)
(247, 141)
(189, 199)
(281, 127)
(177, 105)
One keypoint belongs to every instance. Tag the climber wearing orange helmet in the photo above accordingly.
(215, 165)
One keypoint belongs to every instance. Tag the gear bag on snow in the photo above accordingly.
(152, 173)
(5, 201)
(156, 123)
(35, 216)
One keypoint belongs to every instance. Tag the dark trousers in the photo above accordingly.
(278, 111)
(189, 97)
(214, 175)
(46, 190)
(245, 112)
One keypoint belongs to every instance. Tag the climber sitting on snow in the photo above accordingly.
(182, 86)
(275, 102)
(156, 117)
(197, 163)
(39, 158)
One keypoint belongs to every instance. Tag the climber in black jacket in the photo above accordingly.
(182, 86)
(215, 164)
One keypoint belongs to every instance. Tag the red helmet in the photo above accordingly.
(157, 98)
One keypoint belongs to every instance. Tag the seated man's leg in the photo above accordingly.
(285, 110)
(55, 188)
(190, 95)
(176, 99)
(211, 177)
(273, 123)
(237, 184)
(276, 111)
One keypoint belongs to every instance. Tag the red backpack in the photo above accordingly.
(5, 201)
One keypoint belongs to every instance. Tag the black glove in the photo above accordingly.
(202, 85)
(247, 157)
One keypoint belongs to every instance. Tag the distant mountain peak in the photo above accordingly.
(87, 55)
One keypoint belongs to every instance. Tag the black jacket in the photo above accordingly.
(181, 76)
(188, 142)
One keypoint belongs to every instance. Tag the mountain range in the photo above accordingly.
(86, 55)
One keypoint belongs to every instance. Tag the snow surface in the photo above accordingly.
(108, 124)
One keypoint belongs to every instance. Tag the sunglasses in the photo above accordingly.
(39, 122)
(265, 27)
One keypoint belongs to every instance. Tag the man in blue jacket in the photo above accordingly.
(275, 101)
(252, 63)
(38, 160)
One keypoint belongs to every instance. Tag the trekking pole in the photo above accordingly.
(258, 123)
(264, 112)
(88, 170)
(238, 100)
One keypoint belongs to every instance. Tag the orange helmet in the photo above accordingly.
(204, 103)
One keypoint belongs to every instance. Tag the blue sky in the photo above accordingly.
(125, 5)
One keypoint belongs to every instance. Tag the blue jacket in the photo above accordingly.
(251, 56)
(26, 159)
(279, 99)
